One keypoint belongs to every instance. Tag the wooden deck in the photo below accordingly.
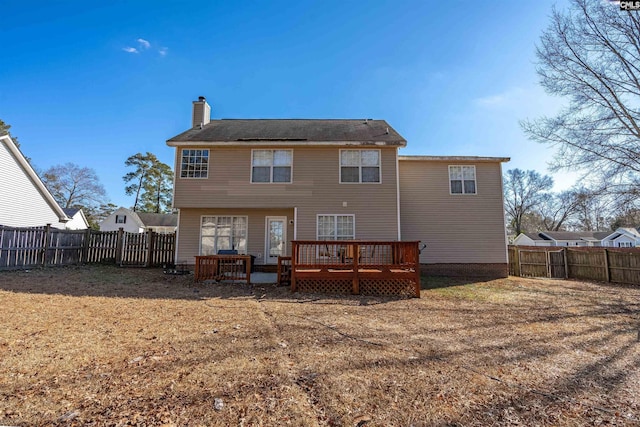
(356, 267)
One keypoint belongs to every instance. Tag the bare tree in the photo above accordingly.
(557, 211)
(524, 191)
(593, 211)
(590, 55)
(74, 187)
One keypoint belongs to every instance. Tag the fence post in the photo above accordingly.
(565, 254)
(517, 269)
(119, 246)
(84, 256)
(150, 245)
(606, 265)
(47, 240)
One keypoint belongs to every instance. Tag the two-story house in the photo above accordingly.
(255, 185)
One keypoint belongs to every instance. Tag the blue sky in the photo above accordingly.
(95, 82)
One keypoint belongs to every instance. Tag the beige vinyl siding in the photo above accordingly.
(315, 189)
(190, 222)
(21, 203)
(457, 228)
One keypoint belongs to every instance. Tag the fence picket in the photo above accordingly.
(40, 246)
(620, 265)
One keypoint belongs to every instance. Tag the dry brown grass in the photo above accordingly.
(101, 345)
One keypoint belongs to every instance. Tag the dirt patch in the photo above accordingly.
(114, 346)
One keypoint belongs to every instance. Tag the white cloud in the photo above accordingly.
(129, 49)
(163, 51)
(500, 99)
(144, 44)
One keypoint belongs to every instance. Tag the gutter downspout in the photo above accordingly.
(398, 193)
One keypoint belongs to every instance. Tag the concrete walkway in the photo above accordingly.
(258, 278)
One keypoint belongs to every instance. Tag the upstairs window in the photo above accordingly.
(121, 219)
(194, 164)
(462, 179)
(271, 166)
(358, 166)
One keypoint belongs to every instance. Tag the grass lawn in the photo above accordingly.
(103, 345)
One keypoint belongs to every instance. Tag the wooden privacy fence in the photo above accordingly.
(599, 263)
(356, 267)
(47, 246)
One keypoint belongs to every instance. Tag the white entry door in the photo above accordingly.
(276, 239)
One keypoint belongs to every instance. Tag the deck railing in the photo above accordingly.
(223, 267)
(357, 267)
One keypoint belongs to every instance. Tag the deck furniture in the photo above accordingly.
(223, 267)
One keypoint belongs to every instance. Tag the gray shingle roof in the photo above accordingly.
(577, 235)
(158, 219)
(535, 236)
(70, 212)
(293, 130)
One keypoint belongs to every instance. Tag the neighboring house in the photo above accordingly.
(138, 222)
(624, 237)
(532, 239)
(78, 220)
(565, 238)
(255, 185)
(24, 200)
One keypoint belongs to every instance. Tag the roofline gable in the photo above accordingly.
(283, 142)
(35, 179)
(476, 159)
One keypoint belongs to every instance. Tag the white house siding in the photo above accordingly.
(130, 226)
(524, 240)
(21, 203)
(76, 223)
(456, 228)
(622, 240)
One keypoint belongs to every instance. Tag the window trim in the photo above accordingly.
(475, 179)
(223, 215)
(360, 166)
(271, 166)
(124, 219)
(179, 161)
(336, 225)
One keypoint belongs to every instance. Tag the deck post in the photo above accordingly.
(294, 259)
(416, 258)
(248, 272)
(356, 279)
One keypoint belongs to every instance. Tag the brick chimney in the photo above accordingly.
(201, 112)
